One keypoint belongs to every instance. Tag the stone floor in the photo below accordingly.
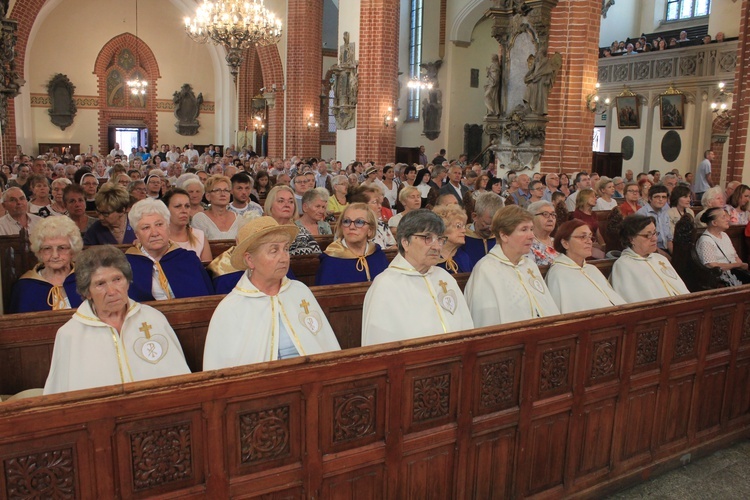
(725, 475)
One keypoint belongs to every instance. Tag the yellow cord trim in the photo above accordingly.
(451, 265)
(437, 306)
(163, 281)
(362, 266)
(535, 308)
(56, 298)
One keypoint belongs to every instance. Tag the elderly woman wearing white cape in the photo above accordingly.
(505, 285)
(641, 273)
(413, 297)
(266, 316)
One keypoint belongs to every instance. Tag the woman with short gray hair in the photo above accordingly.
(545, 218)
(314, 204)
(111, 340)
(414, 287)
(162, 270)
(337, 201)
(51, 284)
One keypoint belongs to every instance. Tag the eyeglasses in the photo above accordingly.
(429, 239)
(650, 235)
(220, 191)
(548, 215)
(359, 223)
(584, 237)
(458, 225)
(48, 250)
(633, 191)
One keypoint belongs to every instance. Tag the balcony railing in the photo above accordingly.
(698, 64)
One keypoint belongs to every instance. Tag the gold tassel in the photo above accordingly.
(451, 266)
(56, 298)
(163, 280)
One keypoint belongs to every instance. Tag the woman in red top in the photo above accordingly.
(585, 202)
(632, 194)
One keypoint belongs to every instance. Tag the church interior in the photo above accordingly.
(580, 405)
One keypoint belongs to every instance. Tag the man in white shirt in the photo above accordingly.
(173, 155)
(17, 216)
(116, 151)
(582, 181)
(191, 152)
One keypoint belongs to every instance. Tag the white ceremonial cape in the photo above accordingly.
(244, 328)
(638, 278)
(499, 292)
(575, 288)
(89, 353)
(404, 304)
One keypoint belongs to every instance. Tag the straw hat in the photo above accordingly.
(249, 234)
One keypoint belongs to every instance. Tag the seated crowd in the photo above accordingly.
(658, 42)
(440, 219)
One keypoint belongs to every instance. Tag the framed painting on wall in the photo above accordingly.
(672, 110)
(628, 111)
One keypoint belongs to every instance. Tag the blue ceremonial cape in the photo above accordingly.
(186, 275)
(338, 265)
(225, 283)
(462, 260)
(30, 293)
(474, 247)
(97, 234)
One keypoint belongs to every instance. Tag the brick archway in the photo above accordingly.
(147, 67)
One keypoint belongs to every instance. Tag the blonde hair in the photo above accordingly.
(216, 179)
(372, 222)
(450, 213)
(271, 198)
(583, 197)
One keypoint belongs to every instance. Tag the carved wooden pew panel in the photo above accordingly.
(555, 407)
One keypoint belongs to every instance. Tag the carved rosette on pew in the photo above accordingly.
(528, 73)
(10, 81)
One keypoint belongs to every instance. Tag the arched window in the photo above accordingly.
(122, 70)
(679, 10)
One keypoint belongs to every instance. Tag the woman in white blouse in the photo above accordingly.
(715, 249)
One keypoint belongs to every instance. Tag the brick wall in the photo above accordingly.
(378, 84)
(304, 61)
(270, 63)
(741, 104)
(574, 32)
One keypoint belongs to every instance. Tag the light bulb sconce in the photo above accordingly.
(389, 120)
(719, 104)
(312, 124)
(595, 104)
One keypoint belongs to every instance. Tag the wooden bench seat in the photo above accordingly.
(572, 406)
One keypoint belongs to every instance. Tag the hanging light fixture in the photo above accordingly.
(137, 86)
(236, 25)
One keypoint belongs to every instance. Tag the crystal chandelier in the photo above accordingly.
(236, 25)
(137, 86)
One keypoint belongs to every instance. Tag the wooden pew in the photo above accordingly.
(556, 407)
(26, 340)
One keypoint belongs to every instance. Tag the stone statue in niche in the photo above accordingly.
(432, 102)
(187, 107)
(62, 105)
(492, 87)
(539, 80)
(345, 85)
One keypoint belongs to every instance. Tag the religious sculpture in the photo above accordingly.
(10, 80)
(492, 87)
(432, 102)
(187, 107)
(62, 105)
(344, 82)
(539, 80)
